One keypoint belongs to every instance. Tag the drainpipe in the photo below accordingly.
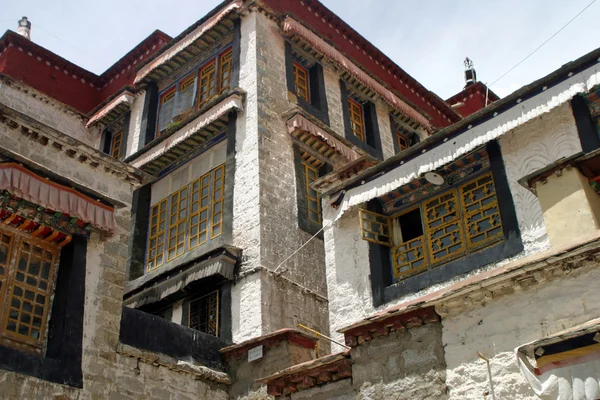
(489, 369)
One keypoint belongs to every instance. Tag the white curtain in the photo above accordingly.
(578, 381)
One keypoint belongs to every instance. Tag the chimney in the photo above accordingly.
(24, 28)
(470, 74)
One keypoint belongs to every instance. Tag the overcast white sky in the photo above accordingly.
(428, 39)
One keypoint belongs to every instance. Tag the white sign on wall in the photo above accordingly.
(255, 353)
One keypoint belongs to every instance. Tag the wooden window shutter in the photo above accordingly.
(376, 228)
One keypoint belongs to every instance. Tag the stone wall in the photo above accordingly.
(408, 364)
(402, 365)
(265, 213)
(524, 150)
(48, 112)
(498, 327)
(106, 373)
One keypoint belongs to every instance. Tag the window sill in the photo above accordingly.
(180, 264)
(313, 110)
(376, 153)
(169, 132)
(44, 368)
(489, 255)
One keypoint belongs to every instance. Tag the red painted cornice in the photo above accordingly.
(359, 50)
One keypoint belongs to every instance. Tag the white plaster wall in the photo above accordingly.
(508, 322)
(135, 123)
(246, 293)
(525, 150)
(385, 129)
(529, 148)
(52, 115)
(348, 272)
(246, 299)
(177, 314)
(246, 211)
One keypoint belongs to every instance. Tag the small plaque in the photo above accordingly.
(255, 353)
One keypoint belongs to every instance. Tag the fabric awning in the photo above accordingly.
(186, 41)
(231, 103)
(300, 122)
(31, 187)
(291, 26)
(477, 136)
(123, 101)
(222, 265)
(572, 374)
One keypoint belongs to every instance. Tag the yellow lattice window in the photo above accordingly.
(207, 86)
(156, 237)
(225, 70)
(313, 200)
(409, 257)
(409, 254)
(27, 272)
(357, 124)
(444, 227)
(481, 212)
(376, 228)
(301, 82)
(177, 223)
(5, 255)
(200, 190)
(183, 220)
(402, 140)
(115, 146)
(204, 313)
(217, 201)
(448, 226)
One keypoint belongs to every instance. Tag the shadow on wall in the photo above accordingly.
(149, 332)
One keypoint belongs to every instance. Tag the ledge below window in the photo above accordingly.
(163, 283)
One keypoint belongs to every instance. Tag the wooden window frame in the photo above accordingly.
(217, 216)
(167, 95)
(186, 82)
(225, 63)
(402, 141)
(151, 262)
(183, 223)
(356, 114)
(201, 209)
(461, 221)
(302, 90)
(178, 204)
(30, 283)
(315, 200)
(216, 294)
(115, 145)
(208, 71)
(218, 69)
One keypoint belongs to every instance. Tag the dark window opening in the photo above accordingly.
(204, 313)
(411, 226)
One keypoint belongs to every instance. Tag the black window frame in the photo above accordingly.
(412, 137)
(385, 290)
(372, 143)
(316, 85)
(304, 222)
(61, 362)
